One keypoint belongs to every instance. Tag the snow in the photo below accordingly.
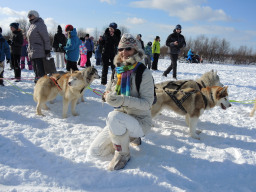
(48, 153)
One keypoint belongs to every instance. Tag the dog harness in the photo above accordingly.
(179, 102)
(55, 81)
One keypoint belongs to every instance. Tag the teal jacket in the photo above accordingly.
(72, 47)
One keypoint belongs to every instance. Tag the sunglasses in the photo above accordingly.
(126, 49)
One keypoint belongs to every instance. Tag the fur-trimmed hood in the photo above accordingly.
(138, 57)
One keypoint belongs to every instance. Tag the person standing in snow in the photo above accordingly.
(59, 39)
(148, 53)
(24, 54)
(156, 52)
(98, 52)
(131, 118)
(109, 45)
(38, 43)
(16, 44)
(83, 52)
(4, 53)
(175, 41)
(138, 37)
(90, 47)
(71, 48)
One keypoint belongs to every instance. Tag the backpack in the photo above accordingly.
(138, 78)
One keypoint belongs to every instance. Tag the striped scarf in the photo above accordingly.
(123, 78)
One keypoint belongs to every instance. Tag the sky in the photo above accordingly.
(233, 20)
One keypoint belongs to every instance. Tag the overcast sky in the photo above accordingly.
(233, 20)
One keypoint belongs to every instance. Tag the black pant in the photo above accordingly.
(174, 58)
(15, 60)
(155, 62)
(107, 61)
(71, 65)
(38, 66)
(88, 62)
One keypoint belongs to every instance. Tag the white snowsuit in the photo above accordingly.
(133, 117)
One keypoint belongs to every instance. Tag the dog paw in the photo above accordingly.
(41, 114)
(195, 136)
(75, 114)
(198, 132)
(64, 116)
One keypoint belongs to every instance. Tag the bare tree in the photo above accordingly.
(123, 30)
(23, 24)
(81, 32)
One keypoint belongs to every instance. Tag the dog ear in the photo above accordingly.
(223, 92)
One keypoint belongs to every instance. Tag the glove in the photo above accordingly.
(152, 58)
(47, 52)
(8, 61)
(115, 100)
(60, 45)
(9, 41)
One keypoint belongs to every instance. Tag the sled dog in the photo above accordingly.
(209, 78)
(69, 85)
(253, 110)
(191, 103)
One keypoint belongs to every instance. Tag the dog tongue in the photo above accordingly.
(223, 107)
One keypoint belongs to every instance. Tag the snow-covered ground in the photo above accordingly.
(49, 153)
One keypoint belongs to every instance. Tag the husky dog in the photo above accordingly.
(69, 85)
(208, 79)
(191, 103)
(253, 110)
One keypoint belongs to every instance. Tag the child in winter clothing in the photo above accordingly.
(148, 53)
(83, 52)
(72, 48)
(190, 55)
(24, 54)
(4, 53)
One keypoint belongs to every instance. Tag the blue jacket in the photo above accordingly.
(72, 47)
(4, 49)
(89, 45)
(98, 52)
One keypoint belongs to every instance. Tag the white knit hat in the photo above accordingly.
(128, 40)
(33, 12)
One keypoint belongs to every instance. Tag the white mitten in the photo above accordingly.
(114, 100)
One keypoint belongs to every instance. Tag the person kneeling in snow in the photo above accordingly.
(131, 118)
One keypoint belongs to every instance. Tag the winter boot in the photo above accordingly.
(135, 141)
(122, 152)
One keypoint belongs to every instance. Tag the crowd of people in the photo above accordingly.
(126, 55)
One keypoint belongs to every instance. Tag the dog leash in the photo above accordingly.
(97, 92)
(19, 88)
(243, 102)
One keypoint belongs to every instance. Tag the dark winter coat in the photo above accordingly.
(38, 39)
(4, 49)
(142, 44)
(59, 38)
(89, 45)
(110, 43)
(24, 48)
(16, 42)
(175, 49)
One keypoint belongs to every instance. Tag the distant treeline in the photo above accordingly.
(216, 50)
